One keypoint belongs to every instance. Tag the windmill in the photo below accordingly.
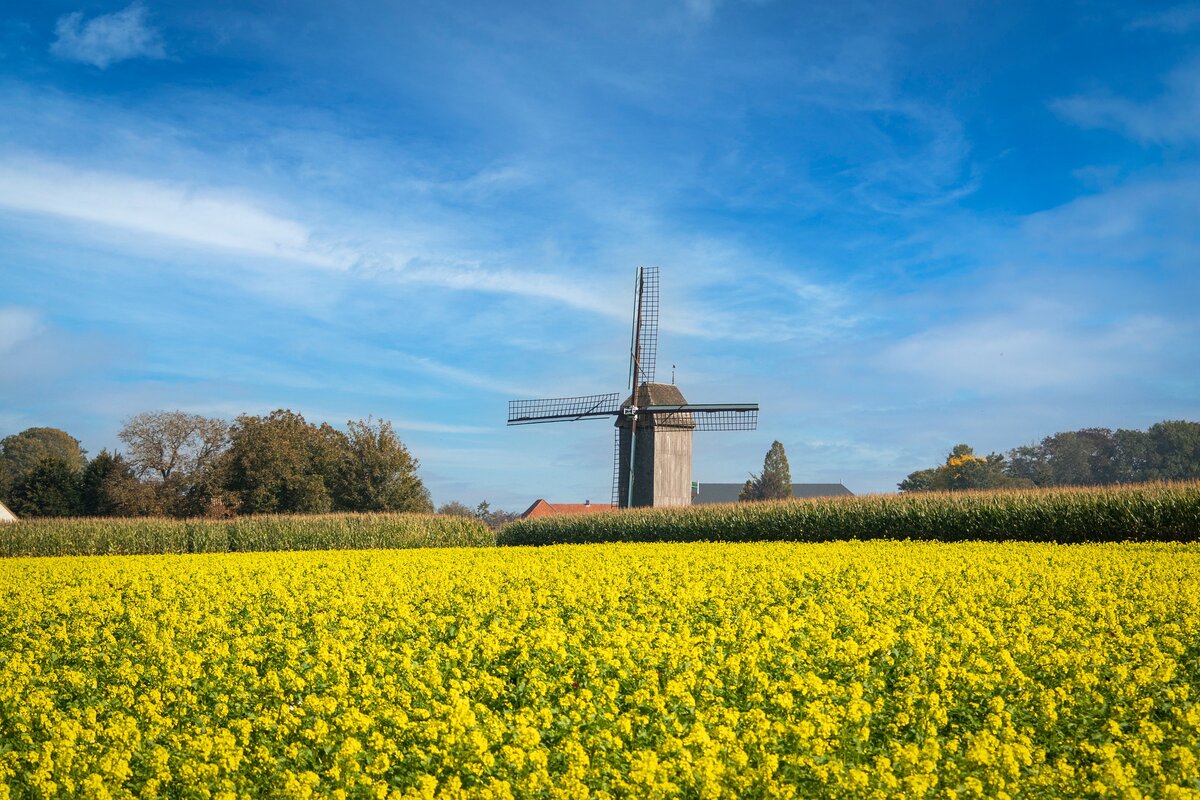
(652, 451)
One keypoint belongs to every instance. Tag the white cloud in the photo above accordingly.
(16, 326)
(1172, 117)
(176, 211)
(501, 281)
(108, 38)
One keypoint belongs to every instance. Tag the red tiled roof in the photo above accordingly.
(541, 508)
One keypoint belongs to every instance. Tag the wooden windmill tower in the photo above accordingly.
(652, 453)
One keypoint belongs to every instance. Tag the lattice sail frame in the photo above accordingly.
(702, 419)
(643, 354)
(643, 361)
(562, 409)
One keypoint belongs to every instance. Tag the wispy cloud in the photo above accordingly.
(108, 38)
(464, 377)
(198, 216)
(1172, 117)
(1015, 355)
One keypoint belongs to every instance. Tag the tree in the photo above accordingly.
(775, 480)
(378, 473)
(282, 464)
(1131, 455)
(963, 470)
(173, 444)
(493, 518)
(922, 480)
(482, 512)
(1170, 450)
(176, 451)
(1085, 457)
(1173, 450)
(50, 489)
(103, 479)
(456, 509)
(22, 452)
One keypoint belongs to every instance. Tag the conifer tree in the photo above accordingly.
(775, 480)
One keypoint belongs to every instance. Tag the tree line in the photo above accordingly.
(185, 465)
(1168, 450)
(492, 517)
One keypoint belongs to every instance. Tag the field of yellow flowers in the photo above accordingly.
(870, 669)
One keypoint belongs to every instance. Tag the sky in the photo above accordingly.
(895, 226)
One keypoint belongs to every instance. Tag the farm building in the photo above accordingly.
(706, 493)
(541, 508)
(6, 515)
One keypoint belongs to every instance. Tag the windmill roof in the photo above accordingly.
(658, 394)
(542, 508)
(728, 492)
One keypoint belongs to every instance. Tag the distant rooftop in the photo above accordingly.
(728, 492)
(542, 508)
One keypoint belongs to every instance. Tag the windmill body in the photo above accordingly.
(652, 451)
(661, 462)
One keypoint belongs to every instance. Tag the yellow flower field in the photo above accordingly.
(700, 670)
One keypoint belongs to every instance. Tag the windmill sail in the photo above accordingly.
(705, 417)
(644, 348)
(652, 445)
(563, 409)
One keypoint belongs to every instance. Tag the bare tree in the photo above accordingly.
(173, 444)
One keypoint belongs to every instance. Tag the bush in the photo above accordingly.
(146, 535)
(1143, 512)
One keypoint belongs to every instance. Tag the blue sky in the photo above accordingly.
(895, 226)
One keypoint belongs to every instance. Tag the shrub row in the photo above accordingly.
(145, 535)
(1142, 512)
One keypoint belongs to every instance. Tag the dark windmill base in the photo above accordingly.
(662, 458)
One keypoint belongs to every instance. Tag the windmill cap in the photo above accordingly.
(657, 394)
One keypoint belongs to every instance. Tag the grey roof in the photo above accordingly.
(728, 492)
(658, 394)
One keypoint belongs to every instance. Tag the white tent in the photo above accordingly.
(6, 515)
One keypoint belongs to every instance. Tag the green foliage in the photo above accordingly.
(1169, 450)
(146, 535)
(282, 464)
(104, 484)
(51, 489)
(775, 480)
(1145, 512)
(963, 471)
(22, 452)
(377, 471)
(1173, 451)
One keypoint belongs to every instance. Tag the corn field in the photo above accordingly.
(1142, 512)
(150, 535)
